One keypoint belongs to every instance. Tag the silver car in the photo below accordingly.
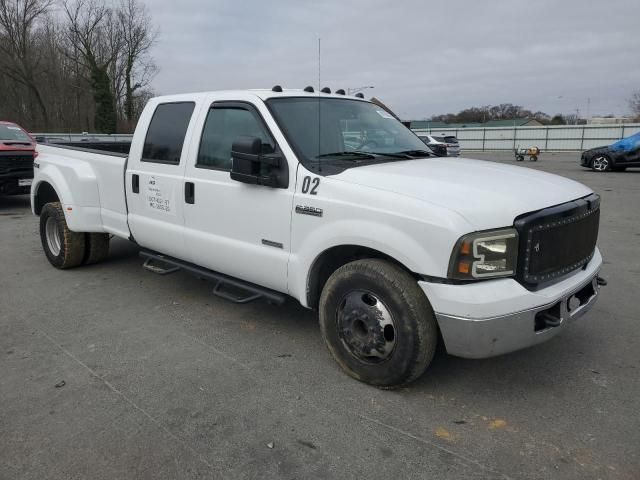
(442, 145)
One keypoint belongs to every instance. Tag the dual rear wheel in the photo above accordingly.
(65, 248)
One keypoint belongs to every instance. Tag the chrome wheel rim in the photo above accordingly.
(600, 164)
(53, 236)
(366, 327)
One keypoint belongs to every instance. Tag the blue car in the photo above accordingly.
(617, 156)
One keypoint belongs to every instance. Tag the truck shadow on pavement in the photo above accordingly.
(507, 374)
(522, 371)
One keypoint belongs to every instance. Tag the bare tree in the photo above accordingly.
(67, 88)
(634, 104)
(137, 66)
(88, 69)
(93, 36)
(21, 56)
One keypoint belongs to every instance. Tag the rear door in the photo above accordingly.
(154, 178)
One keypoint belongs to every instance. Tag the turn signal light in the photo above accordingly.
(463, 267)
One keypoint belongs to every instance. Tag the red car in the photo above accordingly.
(17, 152)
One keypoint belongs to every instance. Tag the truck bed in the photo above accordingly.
(95, 178)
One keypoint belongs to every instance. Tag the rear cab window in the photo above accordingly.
(166, 133)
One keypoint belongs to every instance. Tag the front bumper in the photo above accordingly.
(16, 183)
(489, 318)
(583, 160)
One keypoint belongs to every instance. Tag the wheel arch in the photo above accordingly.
(332, 258)
(45, 193)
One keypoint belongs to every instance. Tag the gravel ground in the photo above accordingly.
(110, 372)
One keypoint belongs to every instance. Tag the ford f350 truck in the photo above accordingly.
(330, 200)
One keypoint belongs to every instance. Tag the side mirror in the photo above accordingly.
(250, 165)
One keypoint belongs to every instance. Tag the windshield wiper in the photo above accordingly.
(416, 153)
(359, 155)
(399, 155)
(352, 154)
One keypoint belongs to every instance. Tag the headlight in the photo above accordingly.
(492, 253)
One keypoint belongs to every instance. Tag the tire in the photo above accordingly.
(63, 248)
(519, 158)
(601, 163)
(97, 248)
(533, 158)
(377, 323)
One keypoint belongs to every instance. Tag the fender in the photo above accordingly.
(81, 205)
(404, 249)
(360, 215)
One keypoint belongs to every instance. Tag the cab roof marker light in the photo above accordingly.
(326, 90)
(340, 92)
(309, 89)
(276, 88)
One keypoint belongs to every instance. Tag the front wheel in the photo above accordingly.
(601, 163)
(377, 323)
(533, 158)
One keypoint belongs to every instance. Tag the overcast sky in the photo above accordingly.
(423, 57)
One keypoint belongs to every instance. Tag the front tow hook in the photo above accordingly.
(601, 281)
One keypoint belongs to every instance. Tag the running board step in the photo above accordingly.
(150, 264)
(240, 291)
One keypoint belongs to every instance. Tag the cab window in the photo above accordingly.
(167, 129)
(223, 125)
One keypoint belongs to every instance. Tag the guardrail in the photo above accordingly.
(547, 138)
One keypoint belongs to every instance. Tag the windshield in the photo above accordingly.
(13, 133)
(326, 130)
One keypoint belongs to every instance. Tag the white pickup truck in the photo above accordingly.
(330, 200)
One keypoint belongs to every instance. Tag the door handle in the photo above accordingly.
(189, 192)
(135, 183)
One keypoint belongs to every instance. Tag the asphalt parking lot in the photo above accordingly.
(110, 371)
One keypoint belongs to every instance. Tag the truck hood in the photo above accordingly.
(486, 194)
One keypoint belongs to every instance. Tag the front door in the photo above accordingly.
(234, 228)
